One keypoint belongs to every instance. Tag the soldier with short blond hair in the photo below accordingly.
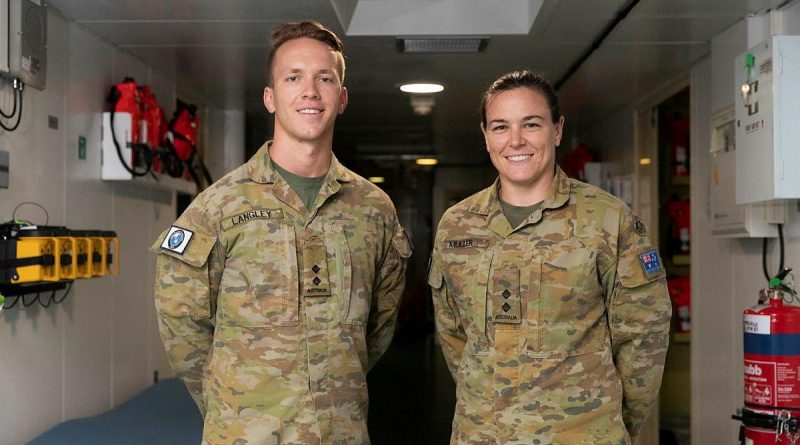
(278, 288)
(551, 304)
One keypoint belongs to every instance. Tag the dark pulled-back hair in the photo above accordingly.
(310, 29)
(522, 79)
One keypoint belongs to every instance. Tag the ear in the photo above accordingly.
(485, 139)
(343, 100)
(269, 99)
(559, 130)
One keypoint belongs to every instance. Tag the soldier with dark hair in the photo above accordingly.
(551, 303)
(278, 288)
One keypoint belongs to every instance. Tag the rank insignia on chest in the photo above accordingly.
(505, 296)
(315, 269)
(651, 263)
(466, 243)
(177, 240)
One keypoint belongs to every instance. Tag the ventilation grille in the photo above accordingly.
(443, 45)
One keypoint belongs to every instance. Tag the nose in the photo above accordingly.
(310, 89)
(515, 137)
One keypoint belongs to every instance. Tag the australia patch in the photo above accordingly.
(177, 239)
(650, 262)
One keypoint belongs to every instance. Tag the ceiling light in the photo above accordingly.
(377, 179)
(645, 161)
(427, 161)
(422, 104)
(421, 88)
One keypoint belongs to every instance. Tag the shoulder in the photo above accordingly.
(463, 216)
(360, 191)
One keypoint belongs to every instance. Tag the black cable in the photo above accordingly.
(19, 114)
(26, 304)
(64, 297)
(14, 109)
(764, 259)
(49, 302)
(780, 240)
(16, 300)
(46, 215)
(119, 150)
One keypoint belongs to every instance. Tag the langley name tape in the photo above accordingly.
(177, 239)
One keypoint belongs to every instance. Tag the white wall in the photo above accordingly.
(730, 269)
(100, 346)
(727, 272)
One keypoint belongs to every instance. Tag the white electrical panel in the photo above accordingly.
(3, 36)
(729, 219)
(27, 42)
(767, 82)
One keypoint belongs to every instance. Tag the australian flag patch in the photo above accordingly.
(650, 262)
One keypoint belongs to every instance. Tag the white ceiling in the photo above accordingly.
(220, 46)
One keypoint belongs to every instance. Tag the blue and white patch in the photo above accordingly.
(177, 240)
(650, 262)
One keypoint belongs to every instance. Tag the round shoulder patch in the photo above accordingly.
(639, 226)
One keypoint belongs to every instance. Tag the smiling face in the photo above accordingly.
(306, 94)
(521, 139)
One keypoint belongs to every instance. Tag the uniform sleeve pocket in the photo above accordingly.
(195, 253)
(435, 277)
(639, 267)
(401, 243)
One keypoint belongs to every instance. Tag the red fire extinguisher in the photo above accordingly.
(679, 212)
(772, 367)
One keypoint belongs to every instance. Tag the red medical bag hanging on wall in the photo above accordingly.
(182, 138)
(680, 291)
(679, 212)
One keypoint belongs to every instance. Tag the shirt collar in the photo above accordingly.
(260, 169)
(558, 194)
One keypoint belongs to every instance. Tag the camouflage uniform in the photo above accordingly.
(555, 332)
(272, 315)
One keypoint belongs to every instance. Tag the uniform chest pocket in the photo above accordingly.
(467, 275)
(571, 316)
(259, 286)
(354, 303)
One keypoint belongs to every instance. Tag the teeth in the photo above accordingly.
(518, 157)
(309, 111)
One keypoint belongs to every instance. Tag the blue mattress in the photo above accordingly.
(162, 414)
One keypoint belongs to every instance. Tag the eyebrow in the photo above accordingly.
(526, 118)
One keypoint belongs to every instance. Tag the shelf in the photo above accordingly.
(159, 182)
(681, 337)
(681, 260)
(681, 180)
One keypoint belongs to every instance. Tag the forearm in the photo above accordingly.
(188, 345)
(640, 364)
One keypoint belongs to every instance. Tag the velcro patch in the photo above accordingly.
(241, 218)
(177, 239)
(466, 243)
(651, 263)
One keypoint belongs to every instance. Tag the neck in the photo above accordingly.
(524, 195)
(301, 158)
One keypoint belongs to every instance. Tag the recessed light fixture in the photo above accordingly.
(421, 88)
(377, 179)
(427, 161)
(644, 161)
